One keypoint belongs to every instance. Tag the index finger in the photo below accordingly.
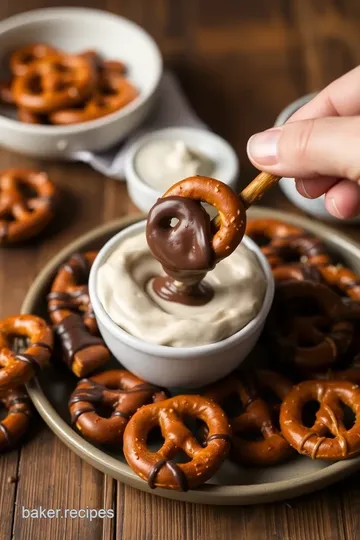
(339, 98)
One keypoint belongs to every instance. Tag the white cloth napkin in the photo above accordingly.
(172, 109)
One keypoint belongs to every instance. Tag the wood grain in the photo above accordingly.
(240, 63)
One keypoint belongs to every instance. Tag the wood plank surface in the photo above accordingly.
(240, 63)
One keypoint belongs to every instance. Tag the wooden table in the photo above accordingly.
(240, 63)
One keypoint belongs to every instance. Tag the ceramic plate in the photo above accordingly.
(232, 484)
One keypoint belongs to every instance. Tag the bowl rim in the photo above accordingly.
(134, 178)
(43, 14)
(165, 351)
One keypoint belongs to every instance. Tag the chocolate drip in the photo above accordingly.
(184, 250)
(223, 436)
(76, 415)
(193, 295)
(6, 433)
(75, 337)
(42, 345)
(29, 359)
(174, 468)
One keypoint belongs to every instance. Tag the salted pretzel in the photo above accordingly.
(287, 242)
(27, 204)
(159, 468)
(17, 420)
(112, 94)
(344, 279)
(328, 438)
(23, 58)
(19, 368)
(298, 272)
(54, 82)
(258, 416)
(230, 227)
(73, 317)
(120, 391)
(312, 340)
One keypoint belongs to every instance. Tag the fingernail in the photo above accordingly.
(262, 147)
(337, 212)
(300, 186)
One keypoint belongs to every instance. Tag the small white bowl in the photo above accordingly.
(75, 30)
(186, 367)
(315, 207)
(205, 142)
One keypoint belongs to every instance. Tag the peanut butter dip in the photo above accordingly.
(124, 284)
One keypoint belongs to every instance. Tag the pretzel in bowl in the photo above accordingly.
(17, 369)
(113, 92)
(328, 437)
(23, 58)
(287, 242)
(6, 96)
(120, 391)
(17, 420)
(27, 204)
(159, 468)
(258, 416)
(308, 325)
(53, 82)
(297, 272)
(72, 314)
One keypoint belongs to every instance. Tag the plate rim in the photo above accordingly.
(246, 494)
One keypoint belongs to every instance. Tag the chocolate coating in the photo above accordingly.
(184, 250)
(74, 336)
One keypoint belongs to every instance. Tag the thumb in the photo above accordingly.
(309, 148)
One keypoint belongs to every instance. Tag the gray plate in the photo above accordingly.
(232, 484)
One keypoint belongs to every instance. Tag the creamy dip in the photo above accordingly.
(161, 163)
(125, 291)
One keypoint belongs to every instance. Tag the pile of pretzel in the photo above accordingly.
(50, 86)
(256, 417)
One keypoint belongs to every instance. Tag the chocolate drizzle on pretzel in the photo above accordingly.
(19, 413)
(192, 247)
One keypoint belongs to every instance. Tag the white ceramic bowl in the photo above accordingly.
(75, 30)
(173, 367)
(315, 207)
(214, 147)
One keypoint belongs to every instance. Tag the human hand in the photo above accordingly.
(319, 146)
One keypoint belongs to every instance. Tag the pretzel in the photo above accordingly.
(6, 95)
(298, 272)
(286, 242)
(113, 93)
(258, 416)
(17, 369)
(118, 390)
(72, 314)
(342, 278)
(54, 82)
(29, 117)
(312, 342)
(158, 468)
(16, 423)
(23, 58)
(315, 441)
(24, 215)
(201, 189)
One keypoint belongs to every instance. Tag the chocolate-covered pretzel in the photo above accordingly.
(328, 438)
(74, 321)
(159, 468)
(19, 368)
(258, 416)
(119, 390)
(17, 420)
